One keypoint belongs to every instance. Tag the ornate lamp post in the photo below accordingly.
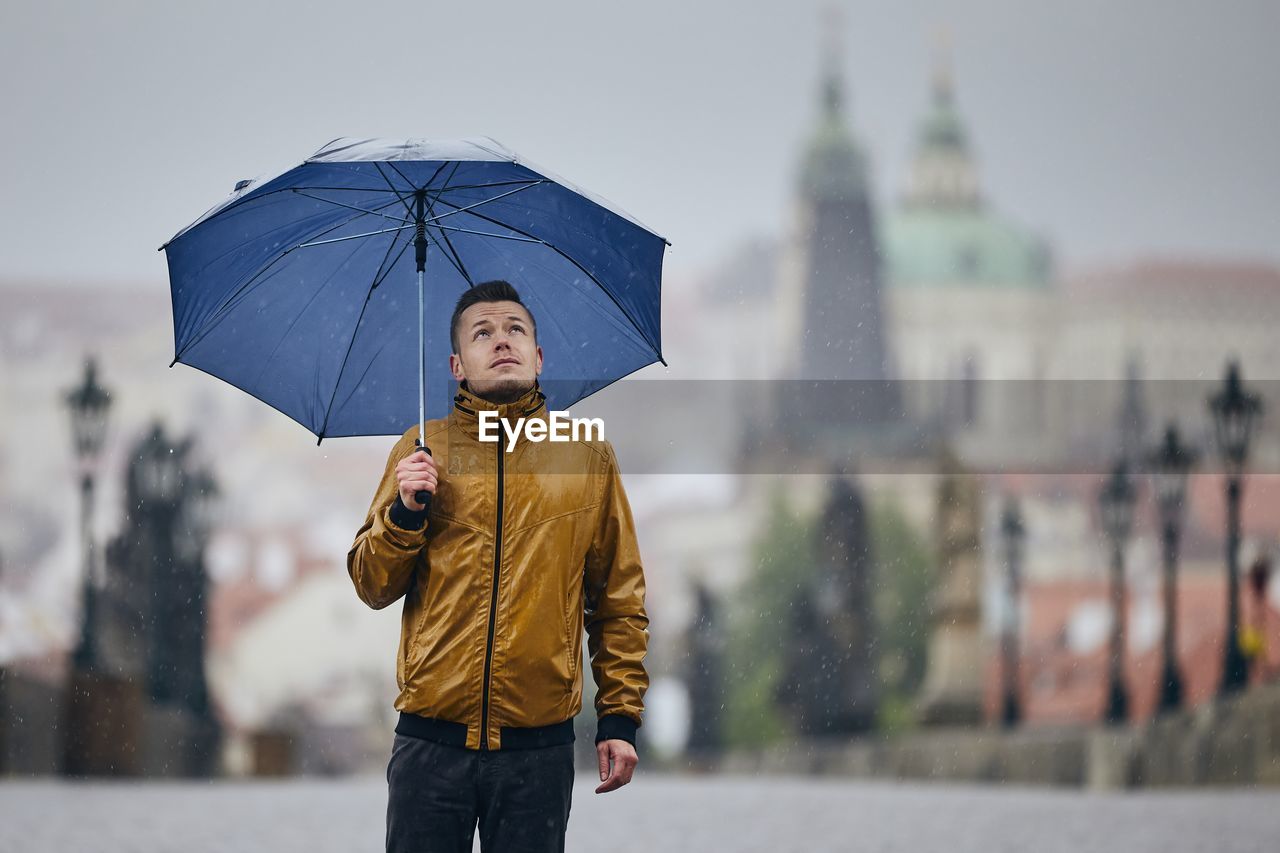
(1235, 412)
(1115, 505)
(159, 472)
(1013, 532)
(159, 469)
(198, 516)
(1169, 464)
(89, 404)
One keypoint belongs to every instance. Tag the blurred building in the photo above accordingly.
(1034, 374)
(1064, 656)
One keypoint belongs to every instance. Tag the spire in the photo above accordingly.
(1133, 413)
(943, 85)
(833, 166)
(832, 63)
(943, 174)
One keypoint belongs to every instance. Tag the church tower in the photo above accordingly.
(943, 175)
(838, 323)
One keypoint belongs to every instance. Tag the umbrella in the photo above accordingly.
(300, 288)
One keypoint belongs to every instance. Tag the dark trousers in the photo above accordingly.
(438, 793)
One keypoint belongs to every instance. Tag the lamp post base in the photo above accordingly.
(1117, 704)
(1010, 712)
(1170, 690)
(1235, 669)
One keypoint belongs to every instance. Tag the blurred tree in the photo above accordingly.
(704, 676)
(905, 573)
(764, 607)
(759, 625)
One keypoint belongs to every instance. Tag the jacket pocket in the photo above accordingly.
(569, 622)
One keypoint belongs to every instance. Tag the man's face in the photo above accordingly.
(498, 356)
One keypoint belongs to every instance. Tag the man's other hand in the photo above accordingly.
(622, 756)
(415, 473)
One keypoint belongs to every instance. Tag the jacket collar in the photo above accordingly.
(467, 405)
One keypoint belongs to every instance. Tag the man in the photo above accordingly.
(518, 552)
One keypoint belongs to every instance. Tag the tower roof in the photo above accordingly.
(942, 231)
(834, 165)
(943, 174)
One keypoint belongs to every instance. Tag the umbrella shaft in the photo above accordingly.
(420, 231)
(420, 251)
(422, 374)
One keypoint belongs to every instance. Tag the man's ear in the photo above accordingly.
(538, 367)
(455, 367)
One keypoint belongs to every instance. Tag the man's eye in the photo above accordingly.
(479, 333)
(517, 328)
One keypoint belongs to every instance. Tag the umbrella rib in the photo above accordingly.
(337, 189)
(458, 265)
(349, 206)
(405, 204)
(470, 207)
(220, 312)
(487, 234)
(327, 230)
(367, 368)
(573, 261)
(449, 256)
(392, 189)
(351, 343)
(242, 291)
(298, 317)
(448, 247)
(248, 197)
(382, 274)
(434, 175)
(351, 236)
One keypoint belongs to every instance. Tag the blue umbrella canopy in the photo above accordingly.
(303, 288)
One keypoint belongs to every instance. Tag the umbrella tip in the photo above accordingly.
(175, 361)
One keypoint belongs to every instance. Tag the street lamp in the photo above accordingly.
(1115, 505)
(160, 479)
(89, 404)
(1235, 412)
(196, 519)
(1013, 532)
(198, 513)
(1169, 464)
(159, 469)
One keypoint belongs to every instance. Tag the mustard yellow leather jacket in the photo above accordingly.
(518, 552)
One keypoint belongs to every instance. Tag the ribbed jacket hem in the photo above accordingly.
(453, 733)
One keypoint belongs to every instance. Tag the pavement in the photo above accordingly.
(654, 813)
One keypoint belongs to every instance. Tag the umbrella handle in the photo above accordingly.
(423, 497)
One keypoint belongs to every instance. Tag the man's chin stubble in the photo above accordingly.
(505, 390)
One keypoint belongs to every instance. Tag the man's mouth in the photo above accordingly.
(502, 361)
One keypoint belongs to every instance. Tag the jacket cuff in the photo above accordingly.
(616, 727)
(403, 517)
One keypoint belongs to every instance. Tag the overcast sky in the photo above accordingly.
(1113, 128)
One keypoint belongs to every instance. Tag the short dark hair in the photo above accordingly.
(497, 290)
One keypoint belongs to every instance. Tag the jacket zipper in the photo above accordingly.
(493, 611)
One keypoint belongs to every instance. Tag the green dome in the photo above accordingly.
(931, 248)
(942, 233)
